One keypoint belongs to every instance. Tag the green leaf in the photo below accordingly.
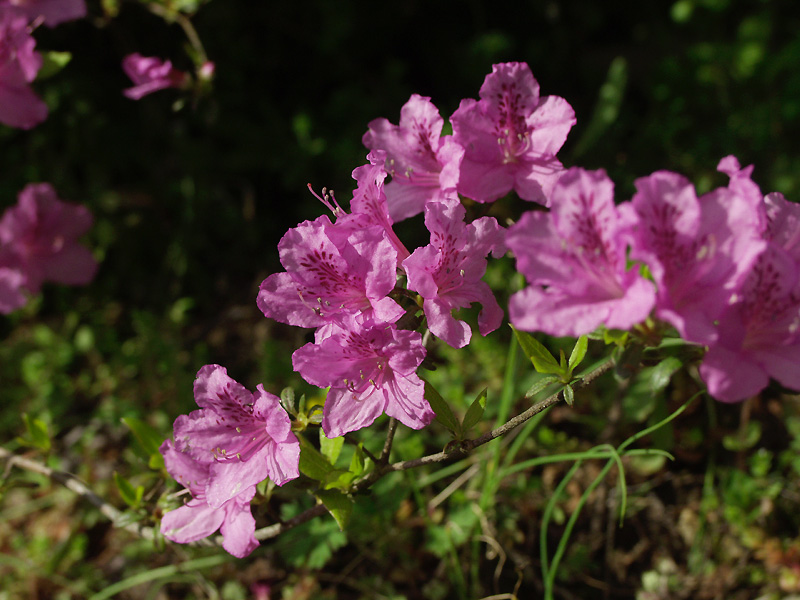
(474, 412)
(338, 504)
(540, 385)
(542, 360)
(338, 479)
(288, 401)
(52, 63)
(36, 433)
(578, 352)
(132, 496)
(148, 436)
(444, 415)
(358, 462)
(661, 374)
(744, 439)
(615, 336)
(156, 462)
(313, 464)
(330, 448)
(569, 394)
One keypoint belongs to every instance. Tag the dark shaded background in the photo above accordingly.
(192, 202)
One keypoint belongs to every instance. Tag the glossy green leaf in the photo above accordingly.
(52, 63)
(474, 412)
(132, 496)
(661, 374)
(338, 504)
(540, 385)
(444, 414)
(148, 436)
(288, 401)
(330, 448)
(313, 463)
(578, 352)
(542, 360)
(569, 394)
(37, 434)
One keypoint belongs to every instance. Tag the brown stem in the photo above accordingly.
(185, 24)
(72, 482)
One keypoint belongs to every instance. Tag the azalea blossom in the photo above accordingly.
(759, 332)
(371, 369)
(19, 64)
(574, 258)
(150, 74)
(331, 270)
(698, 249)
(39, 239)
(511, 137)
(369, 204)
(197, 519)
(447, 273)
(52, 12)
(245, 437)
(12, 284)
(422, 163)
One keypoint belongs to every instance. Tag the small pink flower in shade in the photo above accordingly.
(245, 437)
(759, 332)
(331, 271)
(371, 369)
(150, 74)
(19, 64)
(699, 249)
(39, 237)
(422, 164)
(511, 137)
(11, 285)
(574, 257)
(196, 519)
(53, 12)
(447, 272)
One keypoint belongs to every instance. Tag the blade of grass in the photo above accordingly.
(548, 513)
(562, 544)
(162, 573)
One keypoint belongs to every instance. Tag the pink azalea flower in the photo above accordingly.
(369, 205)
(511, 137)
(371, 369)
(245, 437)
(574, 257)
(52, 12)
(331, 271)
(39, 238)
(196, 519)
(759, 333)
(11, 285)
(698, 249)
(19, 64)
(422, 164)
(150, 74)
(447, 273)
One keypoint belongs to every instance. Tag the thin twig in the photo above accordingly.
(72, 482)
(185, 24)
(387, 446)
(349, 437)
(275, 530)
